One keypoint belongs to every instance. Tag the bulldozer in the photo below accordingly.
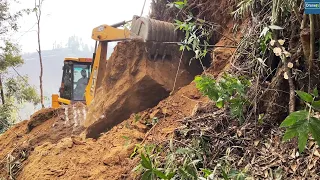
(154, 32)
(72, 71)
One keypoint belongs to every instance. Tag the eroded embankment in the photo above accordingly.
(132, 82)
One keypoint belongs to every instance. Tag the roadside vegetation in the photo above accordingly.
(270, 90)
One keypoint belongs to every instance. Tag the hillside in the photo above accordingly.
(238, 99)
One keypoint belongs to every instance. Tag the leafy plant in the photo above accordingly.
(228, 89)
(137, 117)
(178, 4)
(149, 164)
(265, 37)
(225, 170)
(17, 92)
(197, 35)
(304, 122)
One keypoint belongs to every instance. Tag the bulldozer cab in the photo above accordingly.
(75, 77)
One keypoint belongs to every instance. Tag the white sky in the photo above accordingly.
(64, 18)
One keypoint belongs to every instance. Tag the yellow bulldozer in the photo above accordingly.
(82, 76)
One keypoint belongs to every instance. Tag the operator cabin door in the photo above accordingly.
(81, 74)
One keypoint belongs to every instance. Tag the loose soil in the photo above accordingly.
(133, 82)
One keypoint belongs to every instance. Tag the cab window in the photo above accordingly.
(81, 75)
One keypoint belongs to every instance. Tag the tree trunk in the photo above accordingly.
(312, 50)
(1, 92)
(38, 15)
(41, 67)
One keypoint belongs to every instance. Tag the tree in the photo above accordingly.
(37, 10)
(74, 43)
(13, 90)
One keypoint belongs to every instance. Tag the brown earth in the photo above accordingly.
(108, 156)
(46, 125)
(132, 83)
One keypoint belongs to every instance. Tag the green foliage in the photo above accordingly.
(197, 36)
(153, 166)
(149, 164)
(10, 56)
(8, 19)
(21, 91)
(303, 122)
(228, 89)
(6, 112)
(16, 90)
(265, 37)
(137, 117)
(178, 4)
(185, 163)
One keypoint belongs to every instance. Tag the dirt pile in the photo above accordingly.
(46, 125)
(132, 83)
(108, 157)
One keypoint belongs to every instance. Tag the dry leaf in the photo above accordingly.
(293, 154)
(310, 166)
(316, 153)
(239, 133)
(294, 167)
(285, 75)
(290, 65)
(281, 42)
(267, 145)
(256, 143)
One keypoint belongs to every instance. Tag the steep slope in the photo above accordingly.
(133, 82)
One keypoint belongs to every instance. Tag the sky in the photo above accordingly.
(64, 18)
